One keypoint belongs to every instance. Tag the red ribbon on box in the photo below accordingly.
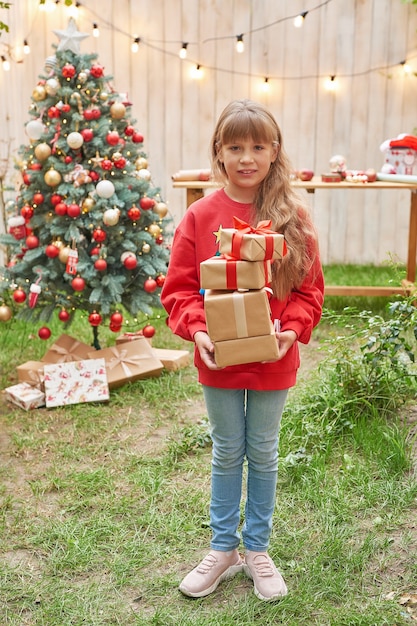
(231, 271)
(262, 228)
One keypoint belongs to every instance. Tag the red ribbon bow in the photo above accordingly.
(262, 228)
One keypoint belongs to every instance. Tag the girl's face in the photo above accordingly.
(246, 163)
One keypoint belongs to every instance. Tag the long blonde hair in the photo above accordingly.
(276, 199)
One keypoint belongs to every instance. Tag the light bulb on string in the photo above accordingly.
(73, 10)
(48, 5)
(135, 44)
(330, 83)
(240, 46)
(265, 84)
(96, 32)
(26, 47)
(406, 67)
(299, 19)
(183, 51)
(5, 63)
(197, 72)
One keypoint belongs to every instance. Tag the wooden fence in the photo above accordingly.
(361, 43)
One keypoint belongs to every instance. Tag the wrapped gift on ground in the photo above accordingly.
(250, 243)
(129, 361)
(248, 350)
(237, 314)
(73, 382)
(31, 372)
(65, 349)
(25, 396)
(132, 337)
(223, 272)
(173, 359)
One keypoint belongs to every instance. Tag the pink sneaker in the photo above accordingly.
(268, 583)
(213, 569)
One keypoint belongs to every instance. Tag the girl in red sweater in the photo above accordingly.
(245, 402)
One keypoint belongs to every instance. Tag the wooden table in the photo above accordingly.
(195, 190)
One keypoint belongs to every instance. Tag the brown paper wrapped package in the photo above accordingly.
(65, 349)
(253, 246)
(218, 273)
(248, 350)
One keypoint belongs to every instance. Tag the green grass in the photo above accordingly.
(104, 507)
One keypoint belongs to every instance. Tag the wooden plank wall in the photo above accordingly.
(361, 42)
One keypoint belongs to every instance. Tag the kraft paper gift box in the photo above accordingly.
(252, 243)
(237, 314)
(228, 273)
(173, 359)
(132, 337)
(31, 372)
(248, 350)
(25, 396)
(73, 382)
(65, 349)
(129, 361)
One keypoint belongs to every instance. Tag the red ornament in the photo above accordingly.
(26, 179)
(137, 138)
(35, 166)
(134, 213)
(68, 159)
(73, 210)
(63, 315)
(129, 130)
(159, 240)
(19, 296)
(95, 318)
(120, 163)
(61, 208)
(100, 265)
(38, 198)
(65, 108)
(32, 242)
(26, 211)
(160, 280)
(112, 138)
(51, 251)
(116, 319)
(106, 164)
(150, 285)
(99, 235)
(87, 134)
(68, 71)
(55, 199)
(94, 176)
(148, 331)
(44, 333)
(95, 251)
(78, 283)
(114, 328)
(53, 112)
(130, 262)
(147, 203)
(96, 70)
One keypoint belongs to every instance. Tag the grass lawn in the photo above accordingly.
(104, 507)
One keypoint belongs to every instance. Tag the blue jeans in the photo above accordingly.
(244, 423)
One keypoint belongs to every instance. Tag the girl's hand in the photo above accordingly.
(206, 349)
(285, 341)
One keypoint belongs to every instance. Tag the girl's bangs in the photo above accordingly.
(247, 126)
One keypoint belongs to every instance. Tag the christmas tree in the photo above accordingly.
(88, 229)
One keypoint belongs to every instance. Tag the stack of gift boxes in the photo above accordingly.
(71, 371)
(236, 294)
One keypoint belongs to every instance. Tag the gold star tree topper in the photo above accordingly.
(71, 38)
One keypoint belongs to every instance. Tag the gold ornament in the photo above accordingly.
(42, 151)
(58, 244)
(83, 77)
(104, 96)
(117, 110)
(52, 177)
(141, 163)
(39, 93)
(5, 313)
(161, 209)
(146, 248)
(64, 254)
(87, 204)
(154, 230)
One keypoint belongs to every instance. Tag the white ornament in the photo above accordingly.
(34, 129)
(52, 86)
(111, 217)
(105, 189)
(144, 174)
(70, 39)
(75, 140)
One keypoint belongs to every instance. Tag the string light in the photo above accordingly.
(183, 51)
(331, 83)
(299, 19)
(96, 32)
(73, 10)
(265, 84)
(5, 63)
(197, 72)
(135, 44)
(406, 67)
(26, 47)
(48, 5)
(240, 46)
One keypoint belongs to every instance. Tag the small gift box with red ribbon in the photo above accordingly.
(252, 243)
(129, 361)
(74, 382)
(237, 314)
(225, 272)
(25, 396)
(66, 349)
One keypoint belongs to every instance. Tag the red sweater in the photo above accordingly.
(195, 240)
